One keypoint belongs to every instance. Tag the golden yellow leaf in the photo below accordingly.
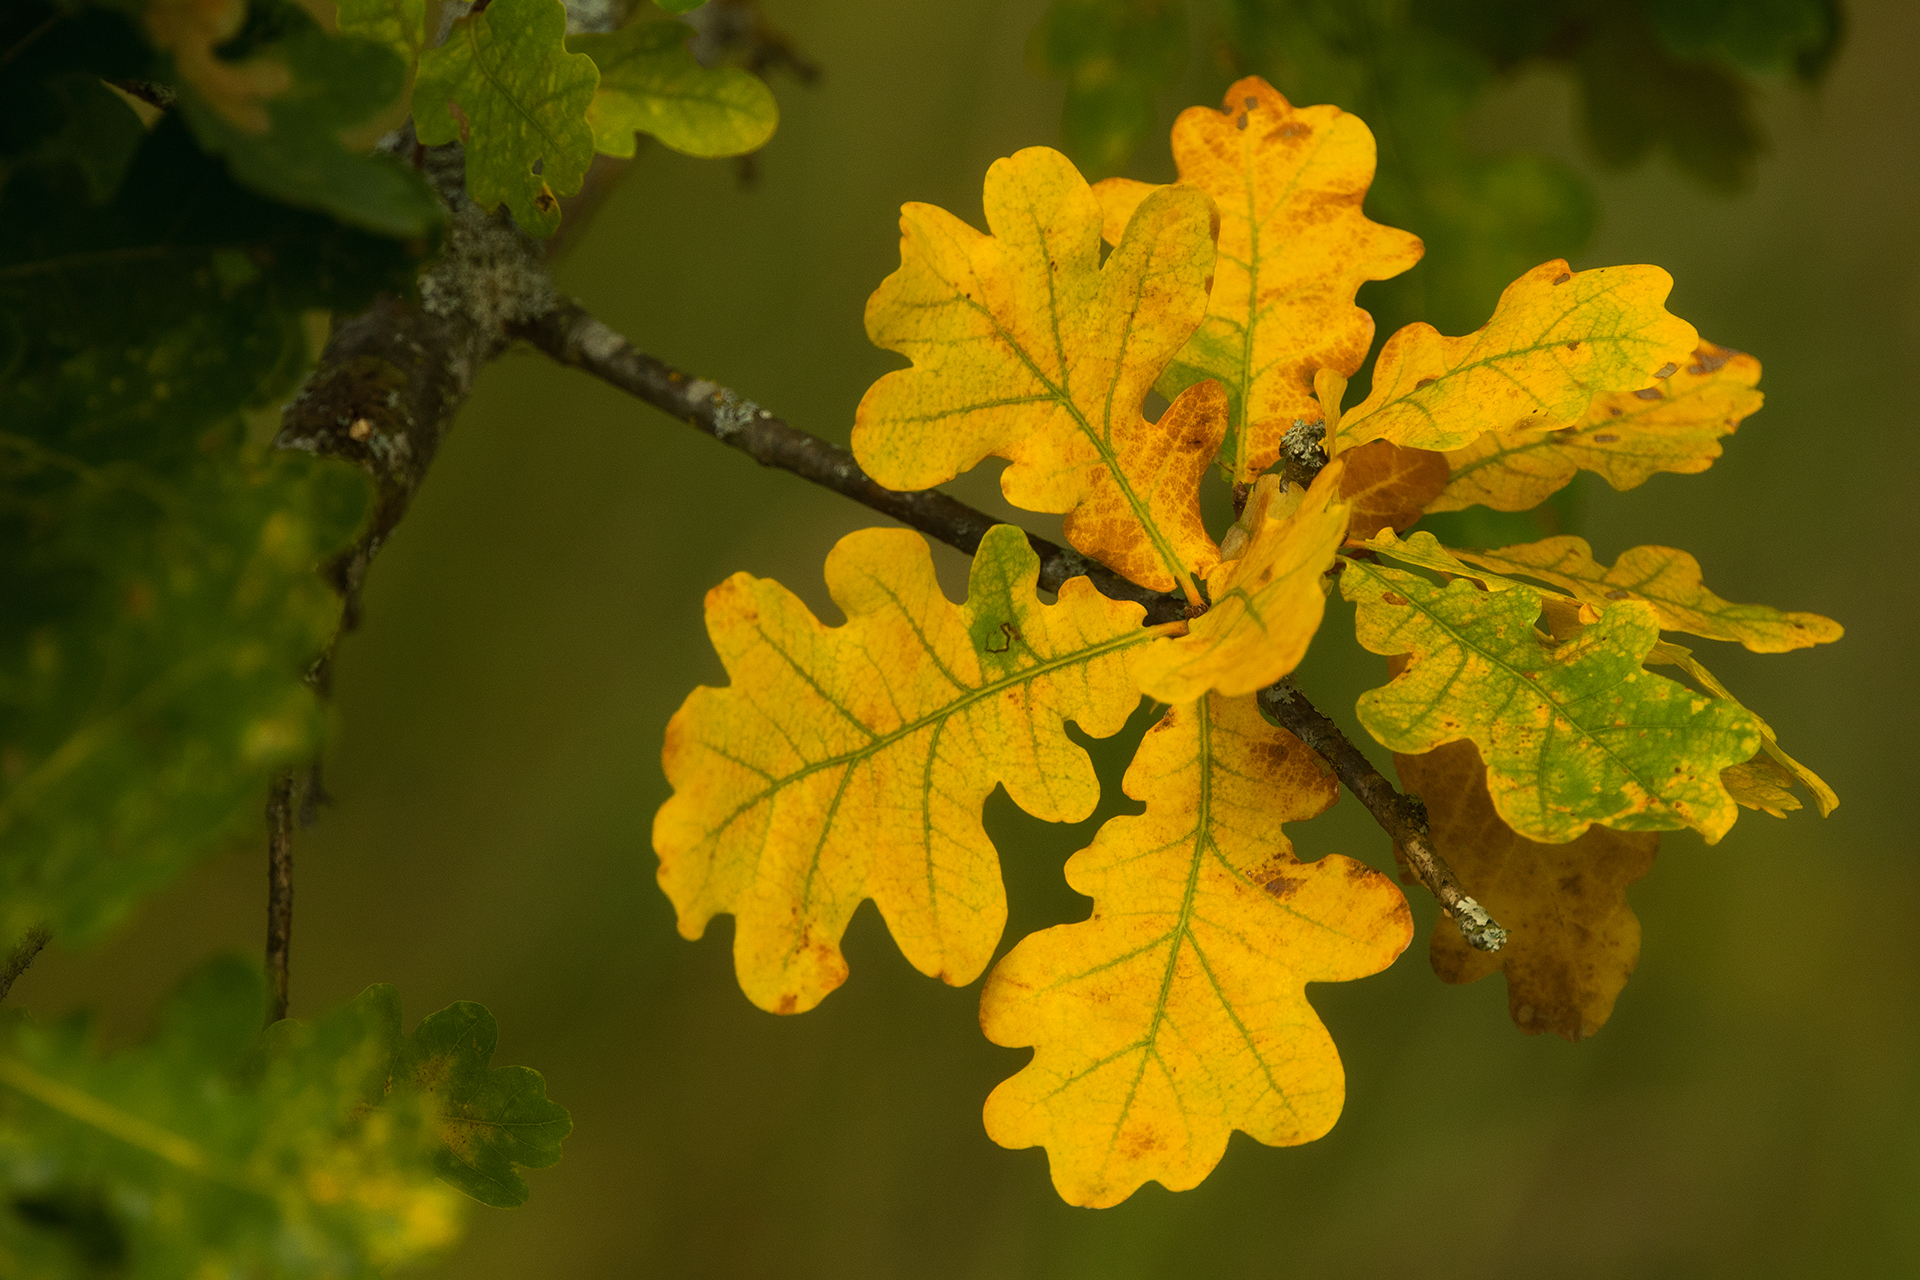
(1294, 248)
(1674, 425)
(1666, 653)
(1573, 940)
(1177, 1012)
(1267, 602)
(1762, 783)
(1389, 487)
(1557, 339)
(845, 763)
(1026, 347)
(1667, 579)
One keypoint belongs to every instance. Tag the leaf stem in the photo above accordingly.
(21, 958)
(279, 888)
(1403, 816)
(573, 336)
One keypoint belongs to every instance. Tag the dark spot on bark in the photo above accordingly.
(1563, 277)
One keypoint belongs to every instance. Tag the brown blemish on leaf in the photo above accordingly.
(1241, 122)
(1563, 277)
(1666, 370)
(1649, 393)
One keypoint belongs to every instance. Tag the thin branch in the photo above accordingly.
(280, 808)
(572, 336)
(21, 958)
(1403, 816)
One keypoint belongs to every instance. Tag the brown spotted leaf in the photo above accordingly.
(1294, 247)
(1573, 940)
(1674, 425)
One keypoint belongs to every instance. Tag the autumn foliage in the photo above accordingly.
(851, 762)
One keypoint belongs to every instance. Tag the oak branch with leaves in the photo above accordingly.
(1543, 729)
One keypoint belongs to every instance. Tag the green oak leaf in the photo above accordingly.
(156, 563)
(488, 1119)
(505, 85)
(213, 1149)
(333, 84)
(1573, 733)
(650, 83)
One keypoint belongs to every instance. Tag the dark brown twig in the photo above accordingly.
(280, 808)
(21, 958)
(572, 336)
(1403, 816)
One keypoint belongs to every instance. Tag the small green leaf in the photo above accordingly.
(1573, 733)
(505, 85)
(489, 1119)
(650, 83)
(332, 84)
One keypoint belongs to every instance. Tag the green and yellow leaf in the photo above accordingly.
(1625, 437)
(214, 1150)
(1026, 347)
(650, 83)
(505, 85)
(1573, 733)
(1573, 940)
(1666, 653)
(1558, 338)
(851, 762)
(1267, 601)
(1667, 579)
(1294, 248)
(1177, 1013)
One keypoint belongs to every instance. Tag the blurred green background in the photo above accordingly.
(1753, 1107)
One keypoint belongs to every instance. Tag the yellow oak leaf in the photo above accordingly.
(1294, 248)
(1177, 1012)
(1389, 487)
(1674, 425)
(1267, 602)
(1026, 347)
(1572, 939)
(1557, 339)
(1762, 783)
(1665, 578)
(1666, 653)
(845, 763)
